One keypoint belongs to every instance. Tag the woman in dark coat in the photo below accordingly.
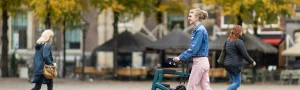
(235, 53)
(42, 56)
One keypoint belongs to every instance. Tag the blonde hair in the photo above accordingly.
(45, 37)
(202, 14)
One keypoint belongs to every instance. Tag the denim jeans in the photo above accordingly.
(236, 81)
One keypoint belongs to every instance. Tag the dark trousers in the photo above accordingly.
(39, 80)
(39, 85)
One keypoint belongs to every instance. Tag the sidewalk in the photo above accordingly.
(69, 84)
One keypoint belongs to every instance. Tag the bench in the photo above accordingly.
(132, 72)
(92, 70)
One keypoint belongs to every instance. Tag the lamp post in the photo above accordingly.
(84, 26)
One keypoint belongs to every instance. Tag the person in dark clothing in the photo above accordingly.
(235, 53)
(42, 56)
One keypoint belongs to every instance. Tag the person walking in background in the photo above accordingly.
(42, 56)
(198, 51)
(235, 53)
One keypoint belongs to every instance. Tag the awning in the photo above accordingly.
(252, 43)
(127, 42)
(272, 41)
(176, 39)
(292, 51)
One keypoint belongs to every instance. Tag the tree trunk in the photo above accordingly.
(115, 36)
(64, 47)
(239, 17)
(240, 20)
(158, 14)
(163, 59)
(4, 38)
(47, 21)
(159, 17)
(255, 26)
(83, 53)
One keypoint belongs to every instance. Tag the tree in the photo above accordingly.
(8, 8)
(169, 6)
(124, 8)
(66, 14)
(256, 12)
(172, 6)
(133, 8)
(60, 10)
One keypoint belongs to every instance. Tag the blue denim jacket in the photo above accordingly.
(40, 59)
(199, 44)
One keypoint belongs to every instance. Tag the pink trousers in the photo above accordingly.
(199, 74)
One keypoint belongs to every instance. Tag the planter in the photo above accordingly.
(23, 71)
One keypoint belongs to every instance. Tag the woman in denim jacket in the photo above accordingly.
(235, 53)
(198, 51)
(42, 56)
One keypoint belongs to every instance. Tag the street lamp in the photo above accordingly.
(84, 26)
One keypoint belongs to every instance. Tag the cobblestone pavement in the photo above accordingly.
(70, 84)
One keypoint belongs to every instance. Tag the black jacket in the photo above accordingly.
(235, 53)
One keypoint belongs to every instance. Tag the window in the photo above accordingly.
(124, 59)
(211, 14)
(297, 8)
(175, 19)
(19, 31)
(73, 38)
(297, 36)
(126, 20)
(227, 21)
(271, 28)
(274, 24)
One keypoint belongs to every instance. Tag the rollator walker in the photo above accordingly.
(159, 75)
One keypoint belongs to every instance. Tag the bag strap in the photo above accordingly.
(43, 51)
(224, 46)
